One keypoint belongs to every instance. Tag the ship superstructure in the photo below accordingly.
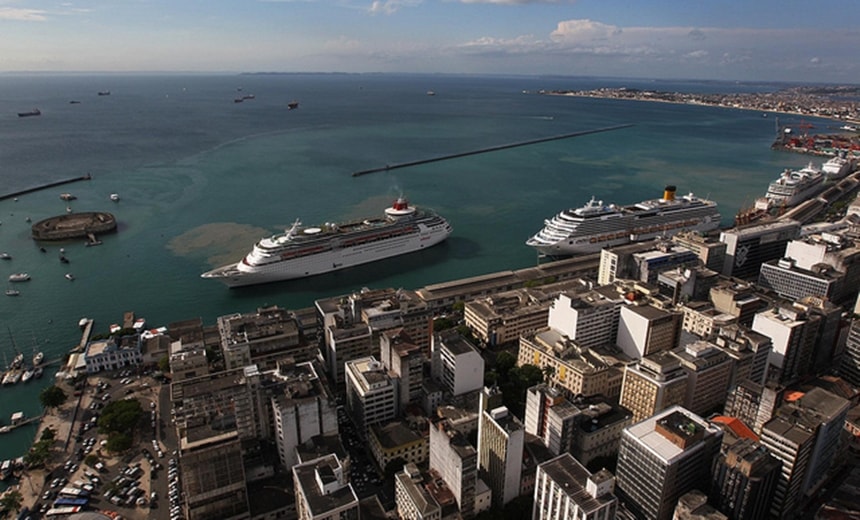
(308, 251)
(837, 166)
(795, 186)
(595, 225)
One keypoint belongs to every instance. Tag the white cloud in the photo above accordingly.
(571, 31)
(390, 6)
(699, 54)
(516, 2)
(22, 14)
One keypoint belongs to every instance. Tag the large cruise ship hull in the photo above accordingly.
(335, 259)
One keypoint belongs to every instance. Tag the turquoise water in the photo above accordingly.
(201, 178)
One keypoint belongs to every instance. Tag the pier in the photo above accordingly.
(25, 191)
(488, 149)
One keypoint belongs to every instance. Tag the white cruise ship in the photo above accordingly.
(595, 226)
(795, 186)
(307, 251)
(837, 167)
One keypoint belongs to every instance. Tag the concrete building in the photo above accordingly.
(850, 361)
(653, 384)
(684, 284)
(577, 369)
(456, 364)
(589, 318)
(413, 501)
(262, 338)
(187, 363)
(323, 491)
(711, 252)
(738, 299)
(398, 440)
(754, 404)
(371, 395)
(747, 247)
(213, 475)
(500, 454)
(501, 319)
(793, 332)
(456, 461)
(302, 410)
(564, 490)
(618, 262)
(708, 372)
(784, 277)
(113, 353)
(551, 417)
(405, 360)
(749, 350)
(663, 457)
(703, 320)
(743, 480)
(599, 428)
(663, 257)
(645, 329)
(804, 435)
(693, 505)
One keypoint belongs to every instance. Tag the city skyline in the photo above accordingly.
(765, 41)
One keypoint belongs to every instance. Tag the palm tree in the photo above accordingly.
(11, 502)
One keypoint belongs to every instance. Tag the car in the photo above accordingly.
(152, 404)
(153, 495)
(47, 495)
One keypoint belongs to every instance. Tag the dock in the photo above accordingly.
(388, 167)
(54, 184)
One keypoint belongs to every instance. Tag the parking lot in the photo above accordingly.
(130, 483)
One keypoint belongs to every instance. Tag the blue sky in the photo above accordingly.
(758, 40)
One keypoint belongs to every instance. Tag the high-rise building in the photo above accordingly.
(753, 403)
(708, 372)
(371, 395)
(500, 454)
(456, 461)
(213, 475)
(710, 251)
(413, 500)
(456, 364)
(262, 338)
(747, 247)
(564, 490)
(305, 408)
(738, 299)
(323, 491)
(653, 384)
(793, 332)
(804, 435)
(406, 361)
(743, 480)
(663, 457)
(589, 318)
(550, 417)
(646, 329)
(703, 320)
(749, 349)
(850, 363)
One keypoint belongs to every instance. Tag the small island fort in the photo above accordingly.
(73, 225)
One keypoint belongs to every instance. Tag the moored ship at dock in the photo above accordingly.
(793, 187)
(307, 251)
(595, 225)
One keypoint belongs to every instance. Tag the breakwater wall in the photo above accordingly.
(25, 191)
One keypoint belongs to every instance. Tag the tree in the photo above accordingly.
(39, 453)
(52, 397)
(120, 417)
(164, 364)
(118, 442)
(91, 460)
(48, 434)
(11, 501)
(505, 361)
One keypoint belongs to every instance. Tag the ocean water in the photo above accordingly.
(201, 178)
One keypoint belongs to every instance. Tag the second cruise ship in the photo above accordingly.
(595, 225)
(307, 251)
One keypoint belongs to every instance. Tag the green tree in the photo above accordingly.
(164, 364)
(118, 442)
(39, 453)
(48, 434)
(52, 397)
(91, 460)
(11, 501)
(505, 361)
(120, 417)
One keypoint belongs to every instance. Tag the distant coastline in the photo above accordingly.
(812, 101)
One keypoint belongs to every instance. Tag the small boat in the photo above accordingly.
(238, 100)
(5, 256)
(67, 196)
(249, 96)
(114, 197)
(431, 93)
(292, 105)
(69, 276)
(34, 112)
(63, 259)
(38, 357)
(19, 277)
(27, 375)
(74, 102)
(104, 92)
(12, 292)
(37, 372)
(42, 249)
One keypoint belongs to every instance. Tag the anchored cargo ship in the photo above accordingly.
(595, 225)
(307, 251)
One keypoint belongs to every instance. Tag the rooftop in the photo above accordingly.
(679, 431)
(571, 477)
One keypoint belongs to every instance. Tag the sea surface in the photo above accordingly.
(201, 178)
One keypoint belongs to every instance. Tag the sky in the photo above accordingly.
(736, 40)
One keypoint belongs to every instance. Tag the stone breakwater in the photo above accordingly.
(73, 225)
